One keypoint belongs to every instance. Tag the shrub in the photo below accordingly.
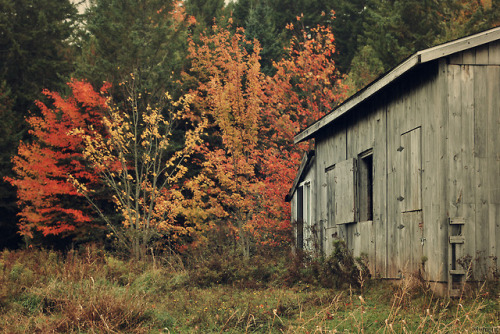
(338, 270)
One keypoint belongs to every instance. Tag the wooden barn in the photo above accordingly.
(407, 171)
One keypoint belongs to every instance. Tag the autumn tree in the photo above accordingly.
(49, 203)
(85, 148)
(306, 86)
(138, 160)
(230, 92)
(249, 161)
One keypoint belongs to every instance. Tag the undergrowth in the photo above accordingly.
(43, 291)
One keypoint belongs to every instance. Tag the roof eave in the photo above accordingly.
(306, 159)
(356, 99)
(418, 58)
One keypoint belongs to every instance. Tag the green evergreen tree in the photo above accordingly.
(205, 11)
(146, 38)
(34, 47)
(260, 26)
(347, 27)
(395, 29)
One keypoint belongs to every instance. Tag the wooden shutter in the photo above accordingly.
(345, 191)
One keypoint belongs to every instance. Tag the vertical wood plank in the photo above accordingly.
(482, 55)
(466, 175)
(493, 80)
(455, 189)
(394, 108)
(433, 140)
(469, 57)
(380, 220)
(441, 196)
(494, 53)
(481, 148)
(454, 138)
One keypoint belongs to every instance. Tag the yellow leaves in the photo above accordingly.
(138, 160)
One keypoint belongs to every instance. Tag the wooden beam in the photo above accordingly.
(459, 45)
(457, 239)
(457, 221)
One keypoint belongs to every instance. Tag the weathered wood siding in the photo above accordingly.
(434, 176)
(330, 150)
(434, 139)
(412, 110)
(336, 150)
(488, 54)
(474, 157)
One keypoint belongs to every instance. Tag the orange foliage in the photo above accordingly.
(250, 161)
(230, 92)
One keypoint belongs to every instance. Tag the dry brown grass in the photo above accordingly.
(90, 292)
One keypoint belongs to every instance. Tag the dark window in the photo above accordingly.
(365, 186)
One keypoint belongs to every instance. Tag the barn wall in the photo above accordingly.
(346, 140)
(416, 155)
(395, 239)
(368, 132)
(436, 156)
(474, 170)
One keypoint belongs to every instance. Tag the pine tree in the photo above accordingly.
(205, 11)
(145, 37)
(259, 25)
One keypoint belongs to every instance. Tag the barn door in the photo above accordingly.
(411, 185)
(409, 233)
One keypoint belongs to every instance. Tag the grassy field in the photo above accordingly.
(91, 292)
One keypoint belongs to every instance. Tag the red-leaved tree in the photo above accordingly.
(49, 202)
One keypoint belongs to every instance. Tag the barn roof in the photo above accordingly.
(418, 58)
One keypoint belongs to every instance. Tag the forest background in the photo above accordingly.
(168, 125)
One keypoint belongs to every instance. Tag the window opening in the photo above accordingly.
(365, 186)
